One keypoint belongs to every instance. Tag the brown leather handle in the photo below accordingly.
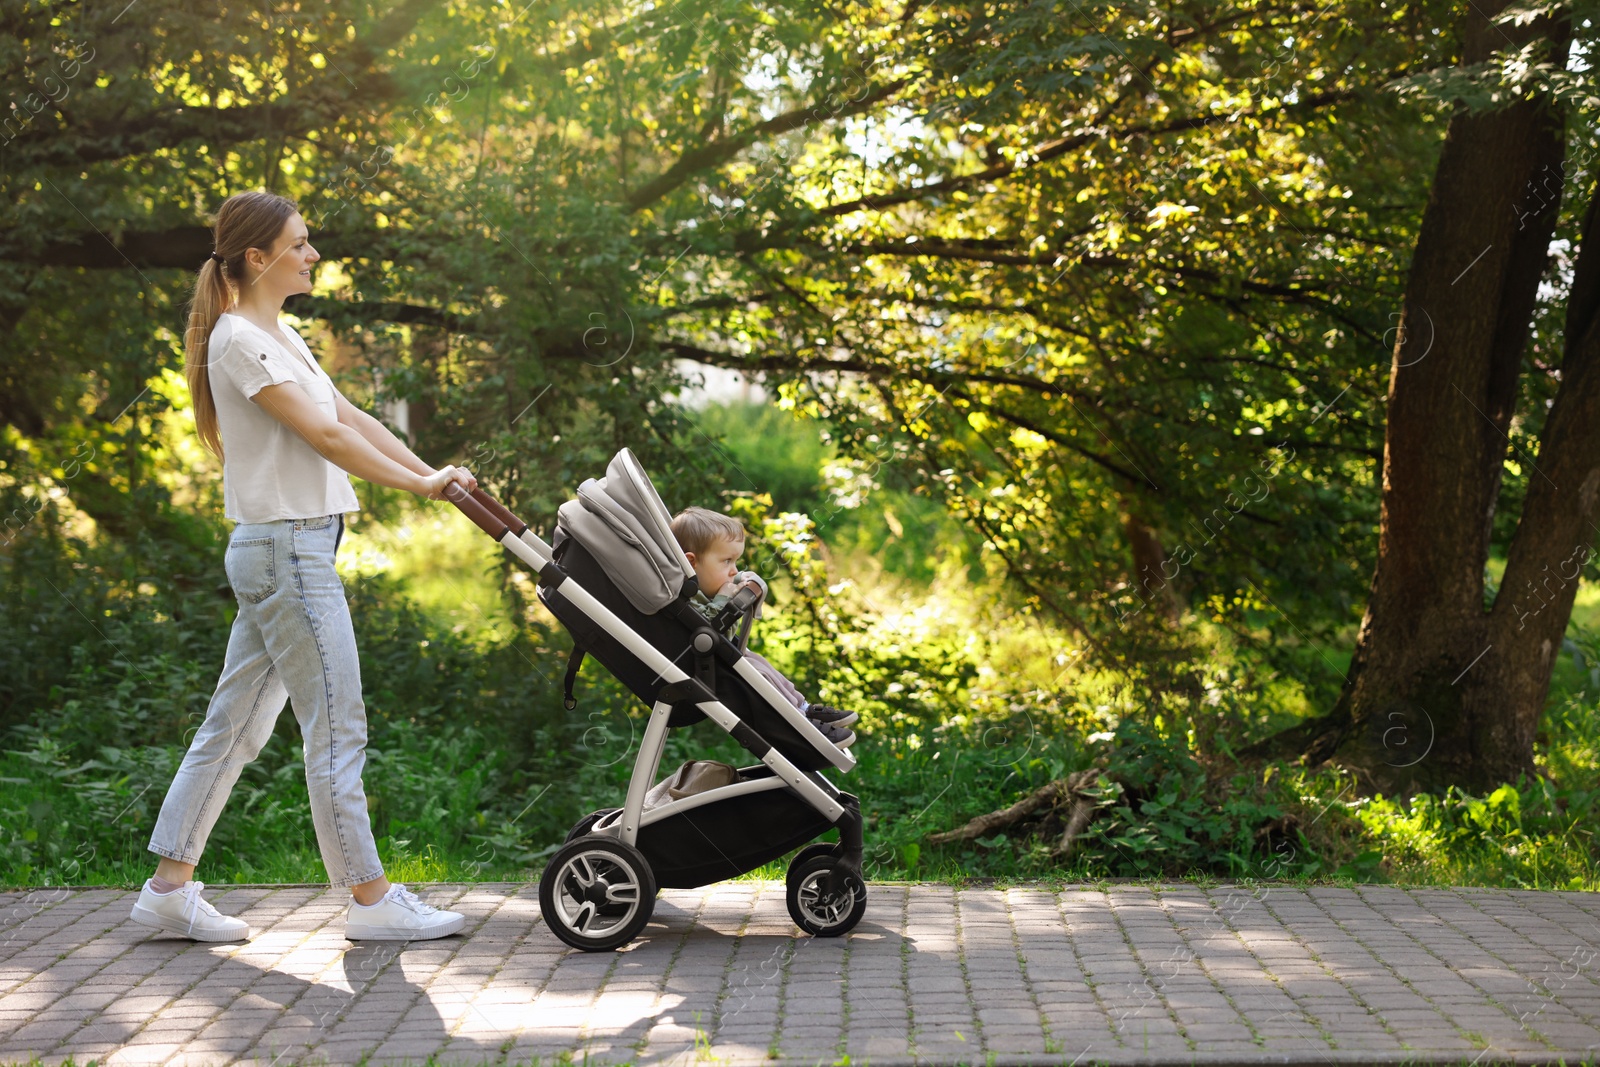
(475, 511)
(499, 511)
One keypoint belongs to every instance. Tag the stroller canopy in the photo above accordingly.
(622, 522)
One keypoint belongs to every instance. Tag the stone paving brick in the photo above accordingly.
(1267, 974)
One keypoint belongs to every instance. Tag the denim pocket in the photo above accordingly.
(319, 523)
(252, 568)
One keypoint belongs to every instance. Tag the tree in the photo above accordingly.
(1448, 680)
(1112, 287)
(1114, 307)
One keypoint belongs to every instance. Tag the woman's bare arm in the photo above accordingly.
(378, 435)
(348, 449)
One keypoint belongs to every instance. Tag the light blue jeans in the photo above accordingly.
(292, 640)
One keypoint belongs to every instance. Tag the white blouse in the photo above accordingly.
(269, 471)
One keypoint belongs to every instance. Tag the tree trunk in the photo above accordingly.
(1440, 691)
(1150, 582)
(1556, 532)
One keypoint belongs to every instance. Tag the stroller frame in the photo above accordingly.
(601, 865)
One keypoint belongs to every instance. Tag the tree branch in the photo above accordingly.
(372, 311)
(119, 137)
(1132, 477)
(946, 382)
(865, 368)
(1050, 150)
(718, 152)
(182, 247)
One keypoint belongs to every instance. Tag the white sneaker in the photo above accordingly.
(183, 911)
(400, 916)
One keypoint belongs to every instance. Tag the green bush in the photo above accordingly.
(970, 699)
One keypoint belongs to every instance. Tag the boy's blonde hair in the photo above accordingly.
(697, 529)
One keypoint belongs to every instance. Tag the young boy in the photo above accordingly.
(714, 543)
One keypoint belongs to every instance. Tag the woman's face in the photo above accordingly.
(285, 268)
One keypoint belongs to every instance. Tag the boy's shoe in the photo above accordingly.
(841, 737)
(400, 916)
(830, 715)
(184, 911)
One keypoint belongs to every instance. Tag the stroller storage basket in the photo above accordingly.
(725, 838)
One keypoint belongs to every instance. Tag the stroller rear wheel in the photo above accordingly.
(815, 908)
(597, 893)
(585, 824)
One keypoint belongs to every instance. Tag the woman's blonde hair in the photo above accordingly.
(697, 529)
(246, 220)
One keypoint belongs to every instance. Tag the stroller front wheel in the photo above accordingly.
(819, 848)
(597, 893)
(815, 908)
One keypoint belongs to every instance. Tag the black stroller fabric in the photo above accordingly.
(727, 838)
(667, 633)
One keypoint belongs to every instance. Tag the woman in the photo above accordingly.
(286, 437)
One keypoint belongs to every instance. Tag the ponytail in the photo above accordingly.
(211, 299)
(245, 221)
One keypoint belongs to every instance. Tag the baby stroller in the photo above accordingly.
(617, 580)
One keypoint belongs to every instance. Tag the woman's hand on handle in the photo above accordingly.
(435, 483)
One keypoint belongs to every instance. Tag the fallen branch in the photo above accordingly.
(1082, 809)
(1047, 795)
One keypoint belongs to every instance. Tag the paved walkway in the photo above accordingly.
(1117, 975)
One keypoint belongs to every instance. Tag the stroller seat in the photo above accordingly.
(616, 579)
(674, 633)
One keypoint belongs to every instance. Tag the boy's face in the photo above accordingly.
(716, 566)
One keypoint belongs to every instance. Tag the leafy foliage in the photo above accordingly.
(1040, 290)
(1050, 275)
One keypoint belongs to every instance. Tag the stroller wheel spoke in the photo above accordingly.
(585, 916)
(828, 909)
